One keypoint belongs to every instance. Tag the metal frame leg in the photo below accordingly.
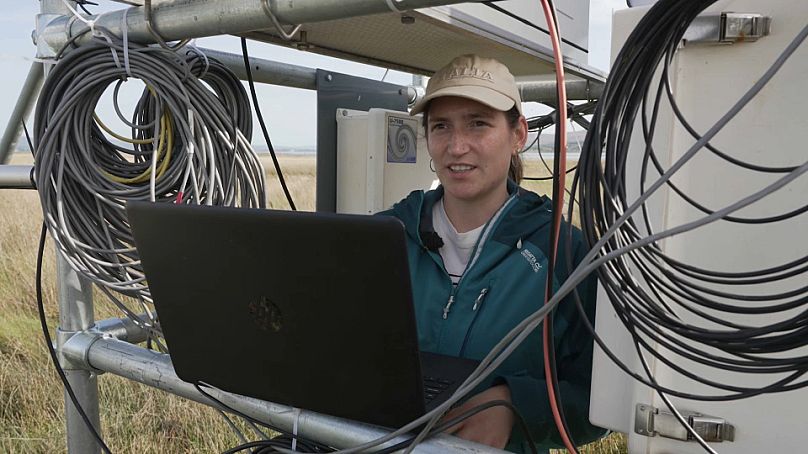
(25, 103)
(75, 315)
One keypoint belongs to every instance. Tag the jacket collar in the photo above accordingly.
(416, 210)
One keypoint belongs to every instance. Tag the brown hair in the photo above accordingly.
(516, 168)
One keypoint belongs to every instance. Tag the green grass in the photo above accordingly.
(134, 417)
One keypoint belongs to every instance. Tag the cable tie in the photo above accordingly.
(147, 17)
(392, 5)
(125, 33)
(44, 61)
(284, 34)
(111, 49)
(192, 46)
(296, 412)
(91, 24)
(78, 15)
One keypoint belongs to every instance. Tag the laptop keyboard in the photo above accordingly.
(434, 386)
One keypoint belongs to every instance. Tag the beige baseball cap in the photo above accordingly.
(482, 79)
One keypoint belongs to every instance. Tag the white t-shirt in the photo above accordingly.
(457, 247)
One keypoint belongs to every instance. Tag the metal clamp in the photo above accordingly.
(74, 349)
(728, 28)
(284, 34)
(650, 421)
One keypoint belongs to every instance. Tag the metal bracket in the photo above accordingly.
(43, 49)
(650, 421)
(728, 28)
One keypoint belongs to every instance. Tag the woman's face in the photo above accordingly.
(471, 145)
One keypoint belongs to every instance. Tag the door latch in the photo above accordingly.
(650, 421)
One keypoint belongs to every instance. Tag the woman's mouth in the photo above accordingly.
(460, 168)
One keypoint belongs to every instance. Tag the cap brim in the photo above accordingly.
(487, 96)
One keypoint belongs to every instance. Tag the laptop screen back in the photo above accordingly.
(311, 310)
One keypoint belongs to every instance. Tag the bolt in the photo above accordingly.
(329, 77)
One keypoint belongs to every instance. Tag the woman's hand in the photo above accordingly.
(490, 427)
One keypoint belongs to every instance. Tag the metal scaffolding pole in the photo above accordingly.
(200, 18)
(267, 71)
(76, 315)
(288, 75)
(16, 177)
(154, 369)
(25, 102)
(544, 91)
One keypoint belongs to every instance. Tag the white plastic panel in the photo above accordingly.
(771, 131)
(430, 37)
(381, 157)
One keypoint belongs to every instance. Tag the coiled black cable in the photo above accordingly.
(650, 290)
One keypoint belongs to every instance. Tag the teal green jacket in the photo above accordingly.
(504, 283)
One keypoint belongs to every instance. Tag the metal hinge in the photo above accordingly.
(650, 421)
(727, 28)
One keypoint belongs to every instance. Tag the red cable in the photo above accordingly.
(560, 181)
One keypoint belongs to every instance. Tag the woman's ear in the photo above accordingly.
(521, 132)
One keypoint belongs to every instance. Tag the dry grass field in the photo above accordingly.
(134, 418)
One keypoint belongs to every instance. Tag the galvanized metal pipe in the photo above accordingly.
(76, 315)
(267, 71)
(16, 177)
(25, 103)
(182, 19)
(545, 90)
(155, 370)
(123, 329)
(288, 75)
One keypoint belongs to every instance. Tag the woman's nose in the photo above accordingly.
(458, 143)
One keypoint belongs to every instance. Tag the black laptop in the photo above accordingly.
(311, 310)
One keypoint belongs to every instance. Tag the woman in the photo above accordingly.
(478, 253)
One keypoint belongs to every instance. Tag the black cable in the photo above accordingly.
(49, 343)
(81, 4)
(32, 175)
(539, 124)
(247, 65)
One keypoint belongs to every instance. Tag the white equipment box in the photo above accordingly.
(381, 157)
(771, 131)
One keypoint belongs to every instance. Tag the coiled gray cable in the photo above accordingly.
(189, 143)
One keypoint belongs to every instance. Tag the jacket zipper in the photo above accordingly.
(474, 255)
(479, 301)
(477, 305)
(449, 303)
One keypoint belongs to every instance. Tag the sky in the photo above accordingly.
(290, 113)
